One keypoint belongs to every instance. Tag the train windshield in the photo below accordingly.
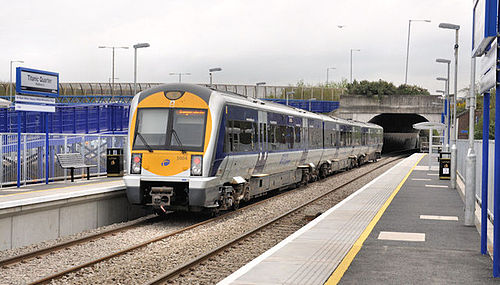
(189, 126)
(170, 129)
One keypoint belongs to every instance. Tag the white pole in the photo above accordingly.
(430, 148)
(453, 168)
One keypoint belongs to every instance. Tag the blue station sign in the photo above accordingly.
(37, 82)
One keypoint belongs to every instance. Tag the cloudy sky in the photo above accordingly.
(279, 42)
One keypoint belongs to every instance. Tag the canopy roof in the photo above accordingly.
(429, 126)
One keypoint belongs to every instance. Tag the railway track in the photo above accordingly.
(67, 244)
(284, 229)
(188, 265)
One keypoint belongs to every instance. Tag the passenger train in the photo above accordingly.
(192, 148)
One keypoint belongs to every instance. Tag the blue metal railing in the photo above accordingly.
(75, 118)
(316, 106)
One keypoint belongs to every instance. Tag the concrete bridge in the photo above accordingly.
(395, 113)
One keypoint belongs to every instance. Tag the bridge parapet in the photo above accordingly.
(426, 104)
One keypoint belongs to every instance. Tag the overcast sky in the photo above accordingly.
(279, 42)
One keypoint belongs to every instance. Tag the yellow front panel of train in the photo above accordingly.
(171, 162)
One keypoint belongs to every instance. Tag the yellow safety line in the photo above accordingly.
(44, 190)
(346, 262)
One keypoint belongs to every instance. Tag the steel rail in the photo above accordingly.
(63, 245)
(56, 275)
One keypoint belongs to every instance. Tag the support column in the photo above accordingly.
(484, 186)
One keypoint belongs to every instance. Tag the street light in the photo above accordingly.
(327, 75)
(408, 46)
(112, 66)
(211, 71)
(447, 98)
(180, 74)
(351, 60)
(469, 220)
(10, 82)
(136, 46)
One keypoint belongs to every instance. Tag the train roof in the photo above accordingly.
(206, 92)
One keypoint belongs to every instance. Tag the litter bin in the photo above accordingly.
(114, 162)
(444, 165)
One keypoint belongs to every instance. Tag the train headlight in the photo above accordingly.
(196, 165)
(135, 165)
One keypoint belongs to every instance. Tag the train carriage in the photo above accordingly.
(192, 148)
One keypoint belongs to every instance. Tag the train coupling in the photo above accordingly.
(161, 196)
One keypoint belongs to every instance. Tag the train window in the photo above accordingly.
(290, 137)
(151, 127)
(281, 137)
(297, 137)
(271, 136)
(189, 127)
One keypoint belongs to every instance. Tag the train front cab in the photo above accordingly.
(170, 130)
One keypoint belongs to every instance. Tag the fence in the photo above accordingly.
(33, 168)
(84, 118)
(123, 92)
(462, 147)
(309, 105)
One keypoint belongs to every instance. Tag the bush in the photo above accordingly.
(381, 87)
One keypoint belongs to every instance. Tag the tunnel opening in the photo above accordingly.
(399, 133)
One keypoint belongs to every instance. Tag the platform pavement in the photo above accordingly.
(36, 193)
(40, 212)
(450, 253)
(323, 250)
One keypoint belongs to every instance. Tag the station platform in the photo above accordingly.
(404, 227)
(40, 212)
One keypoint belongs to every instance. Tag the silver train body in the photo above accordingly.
(192, 148)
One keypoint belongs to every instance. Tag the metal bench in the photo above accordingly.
(72, 161)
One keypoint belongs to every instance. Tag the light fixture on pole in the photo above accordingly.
(447, 100)
(327, 73)
(10, 82)
(408, 46)
(112, 66)
(351, 61)
(453, 169)
(211, 71)
(136, 46)
(180, 74)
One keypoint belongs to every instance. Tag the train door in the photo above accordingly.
(262, 145)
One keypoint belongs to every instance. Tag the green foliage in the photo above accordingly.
(478, 128)
(381, 87)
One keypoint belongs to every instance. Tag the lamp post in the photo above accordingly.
(351, 60)
(446, 111)
(10, 82)
(453, 168)
(112, 66)
(180, 74)
(136, 46)
(447, 99)
(327, 70)
(211, 71)
(408, 46)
